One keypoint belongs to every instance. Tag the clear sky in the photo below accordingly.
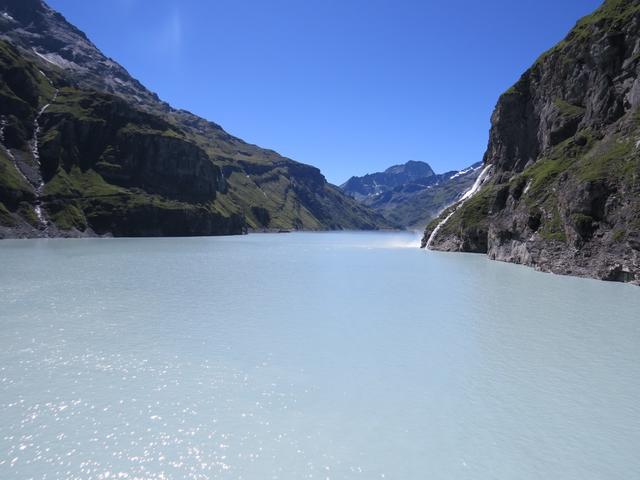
(350, 86)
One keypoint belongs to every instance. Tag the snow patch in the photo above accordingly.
(468, 194)
(55, 59)
(464, 172)
(43, 57)
(476, 185)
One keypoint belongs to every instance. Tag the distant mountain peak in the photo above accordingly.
(411, 194)
(378, 182)
(413, 168)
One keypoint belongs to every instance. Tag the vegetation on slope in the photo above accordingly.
(565, 192)
(170, 164)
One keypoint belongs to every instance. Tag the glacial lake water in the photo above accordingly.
(295, 356)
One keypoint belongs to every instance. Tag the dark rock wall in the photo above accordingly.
(565, 191)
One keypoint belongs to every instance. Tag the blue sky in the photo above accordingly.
(350, 86)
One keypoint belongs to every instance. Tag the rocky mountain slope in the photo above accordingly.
(86, 149)
(411, 195)
(563, 186)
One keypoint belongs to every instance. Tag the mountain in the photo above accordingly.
(411, 195)
(397, 175)
(86, 149)
(562, 189)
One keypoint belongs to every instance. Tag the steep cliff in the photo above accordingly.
(86, 149)
(563, 188)
(76, 162)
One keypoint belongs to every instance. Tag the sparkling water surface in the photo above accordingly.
(294, 356)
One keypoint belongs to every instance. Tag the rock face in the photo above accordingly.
(411, 195)
(86, 149)
(564, 190)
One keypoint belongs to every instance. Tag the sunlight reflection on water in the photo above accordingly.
(329, 355)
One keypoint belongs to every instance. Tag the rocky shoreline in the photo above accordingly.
(564, 196)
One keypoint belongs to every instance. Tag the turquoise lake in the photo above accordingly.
(309, 355)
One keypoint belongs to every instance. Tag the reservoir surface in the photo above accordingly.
(309, 356)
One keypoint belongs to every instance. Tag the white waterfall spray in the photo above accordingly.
(35, 151)
(3, 125)
(467, 195)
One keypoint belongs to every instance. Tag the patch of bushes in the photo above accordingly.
(553, 228)
(25, 210)
(69, 217)
(5, 216)
(618, 235)
(609, 160)
(12, 183)
(583, 224)
(568, 109)
(473, 214)
(261, 214)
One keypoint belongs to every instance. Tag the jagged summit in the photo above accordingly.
(33, 25)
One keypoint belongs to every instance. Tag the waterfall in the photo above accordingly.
(3, 125)
(35, 151)
(467, 195)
